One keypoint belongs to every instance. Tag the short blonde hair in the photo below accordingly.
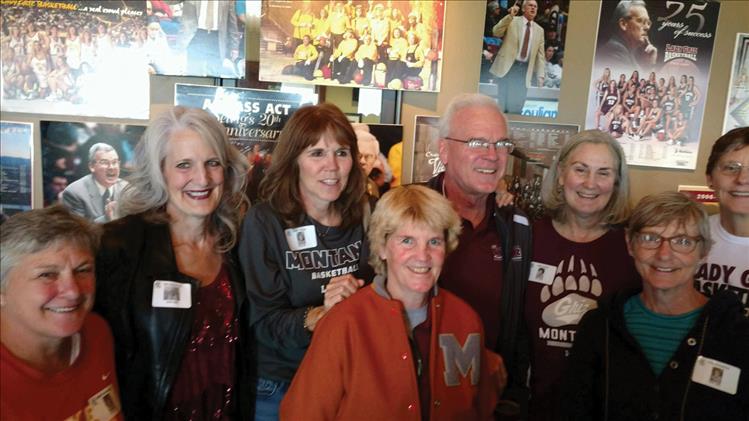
(412, 204)
(668, 207)
(618, 209)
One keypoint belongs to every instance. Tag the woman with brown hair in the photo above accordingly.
(303, 248)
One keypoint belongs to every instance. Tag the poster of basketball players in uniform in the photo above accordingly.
(378, 44)
(650, 74)
(737, 107)
(74, 58)
(502, 44)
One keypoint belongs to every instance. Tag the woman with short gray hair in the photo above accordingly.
(53, 350)
(664, 351)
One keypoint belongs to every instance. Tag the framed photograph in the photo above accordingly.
(76, 58)
(76, 155)
(196, 38)
(16, 157)
(502, 41)
(650, 69)
(737, 104)
(387, 45)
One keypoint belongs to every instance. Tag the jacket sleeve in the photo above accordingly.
(318, 386)
(540, 62)
(500, 29)
(585, 365)
(74, 203)
(276, 322)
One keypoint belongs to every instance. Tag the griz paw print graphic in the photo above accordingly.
(572, 293)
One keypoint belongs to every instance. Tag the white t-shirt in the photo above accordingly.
(727, 265)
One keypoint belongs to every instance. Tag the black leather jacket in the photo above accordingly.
(150, 342)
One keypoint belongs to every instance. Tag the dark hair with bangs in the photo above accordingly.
(735, 139)
(280, 187)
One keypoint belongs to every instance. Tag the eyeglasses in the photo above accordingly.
(108, 163)
(478, 143)
(679, 243)
(640, 20)
(368, 157)
(731, 169)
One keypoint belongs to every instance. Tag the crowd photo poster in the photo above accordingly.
(650, 74)
(502, 42)
(74, 58)
(16, 151)
(737, 106)
(383, 44)
(253, 120)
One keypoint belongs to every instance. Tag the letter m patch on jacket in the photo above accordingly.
(460, 359)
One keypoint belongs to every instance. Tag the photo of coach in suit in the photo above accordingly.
(629, 45)
(520, 57)
(95, 195)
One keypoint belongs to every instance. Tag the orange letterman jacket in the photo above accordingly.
(359, 365)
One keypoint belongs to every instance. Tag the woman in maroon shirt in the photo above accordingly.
(579, 254)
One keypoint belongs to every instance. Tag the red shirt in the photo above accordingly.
(473, 271)
(86, 389)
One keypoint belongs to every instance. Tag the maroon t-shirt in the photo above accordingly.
(576, 275)
(473, 271)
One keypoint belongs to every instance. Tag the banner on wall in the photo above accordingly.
(542, 99)
(197, 38)
(737, 106)
(650, 71)
(75, 58)
(66, 146)
(253, 120)
(388, 45)
(16, 152)
(538, 142)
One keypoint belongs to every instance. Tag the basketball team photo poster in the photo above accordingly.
(649, 82)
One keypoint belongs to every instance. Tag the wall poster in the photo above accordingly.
(552, 16)
(74, 58)
(16, 152)
(253, 119)
(388, 45)
(536, 145)
(77, 155)
(196, 38)
(737, 106)
(650, 74)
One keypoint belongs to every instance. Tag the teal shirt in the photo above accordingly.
(658, 335)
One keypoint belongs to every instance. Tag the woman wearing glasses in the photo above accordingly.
(666, 351)
(728, 174)
(581, 249)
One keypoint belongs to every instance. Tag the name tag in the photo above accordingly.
(542, 273)
(104, 405)
(168, 294)
(301, 238)
(716, 374)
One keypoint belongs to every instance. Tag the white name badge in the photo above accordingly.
(716, 374)
(301, 238)
(104, 405)
(542, 273)
(170, 294)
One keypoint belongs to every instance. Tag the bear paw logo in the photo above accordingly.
(571, 295)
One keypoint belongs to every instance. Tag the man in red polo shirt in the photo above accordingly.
(490, 267)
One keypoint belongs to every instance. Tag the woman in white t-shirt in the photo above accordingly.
(727, 265)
